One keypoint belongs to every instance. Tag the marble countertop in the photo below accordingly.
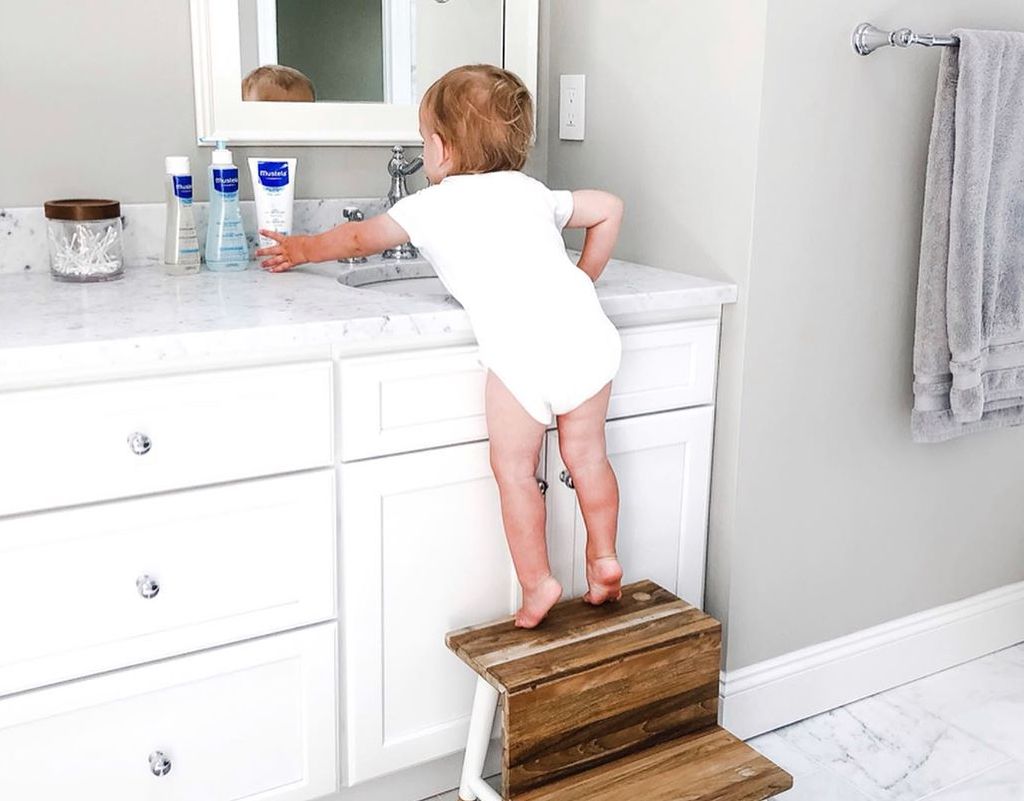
(149, 317)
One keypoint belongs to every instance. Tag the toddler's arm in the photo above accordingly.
(601, 214)
(348, 240)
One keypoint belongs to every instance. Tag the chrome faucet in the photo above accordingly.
(399, 168)
(353, 214)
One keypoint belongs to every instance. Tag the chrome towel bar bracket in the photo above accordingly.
(867, 38)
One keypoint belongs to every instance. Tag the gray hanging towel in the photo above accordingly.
(969, 340)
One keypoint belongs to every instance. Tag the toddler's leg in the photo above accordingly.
(582, 445)
(515, 440)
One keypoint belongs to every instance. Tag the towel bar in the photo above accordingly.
(867, 38)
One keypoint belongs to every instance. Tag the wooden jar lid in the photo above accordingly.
(82, 209)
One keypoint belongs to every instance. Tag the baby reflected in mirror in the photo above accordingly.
(276, 82)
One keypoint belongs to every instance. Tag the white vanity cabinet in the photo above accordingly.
(422, 544)
(234, 582)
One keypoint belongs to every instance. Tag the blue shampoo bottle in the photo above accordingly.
(226, 246)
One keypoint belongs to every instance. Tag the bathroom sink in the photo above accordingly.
(413, 277)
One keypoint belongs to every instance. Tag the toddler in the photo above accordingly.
(494, 237)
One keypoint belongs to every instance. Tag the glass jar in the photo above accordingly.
(85, 238)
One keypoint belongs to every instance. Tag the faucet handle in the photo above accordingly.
(399, 165)
(413, 166)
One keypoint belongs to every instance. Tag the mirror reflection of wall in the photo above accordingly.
(367, 51)
(337, 43)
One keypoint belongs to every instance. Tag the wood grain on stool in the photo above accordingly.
(710, 765)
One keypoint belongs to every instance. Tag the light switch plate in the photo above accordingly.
(572, 108)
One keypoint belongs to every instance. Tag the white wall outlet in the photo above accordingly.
(572, 108)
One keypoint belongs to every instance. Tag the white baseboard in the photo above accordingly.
(797, 685)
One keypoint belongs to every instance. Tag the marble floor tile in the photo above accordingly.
(891, 750)
(821, 785)
(1004, 783)
(787, 756)
(984, 698)
(1014, 654)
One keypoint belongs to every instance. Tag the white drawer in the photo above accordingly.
(71, 445)
(670, 366)
(422, 399)
(228, 563)
(409, 401)
(252, 721)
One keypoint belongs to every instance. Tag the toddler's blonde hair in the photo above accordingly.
(287, 79)
(485, 115)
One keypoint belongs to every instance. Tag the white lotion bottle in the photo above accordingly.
(273, 187)
(181, 243)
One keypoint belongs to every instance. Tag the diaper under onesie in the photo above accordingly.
(495, 241)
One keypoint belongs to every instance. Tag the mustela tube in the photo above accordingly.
(273, 184)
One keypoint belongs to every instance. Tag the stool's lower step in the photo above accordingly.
(710, 765)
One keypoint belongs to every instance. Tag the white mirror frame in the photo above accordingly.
(221, 115)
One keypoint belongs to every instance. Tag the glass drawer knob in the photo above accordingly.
(148, 586)
(159, 764)
(139, 443)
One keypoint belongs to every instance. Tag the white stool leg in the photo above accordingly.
(485, 704)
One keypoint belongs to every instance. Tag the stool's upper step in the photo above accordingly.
(595, 684)
(576, 636)
(709, 765)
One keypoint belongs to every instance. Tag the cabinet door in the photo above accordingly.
(663, 465)
(422, 552)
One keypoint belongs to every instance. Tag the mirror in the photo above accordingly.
(355, 70)
(362, 51)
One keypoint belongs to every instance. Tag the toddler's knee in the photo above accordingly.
(579, 455)
(510, 470)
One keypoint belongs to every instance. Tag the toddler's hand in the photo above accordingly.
(289, 252)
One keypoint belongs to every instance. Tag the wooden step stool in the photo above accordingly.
(607, 704)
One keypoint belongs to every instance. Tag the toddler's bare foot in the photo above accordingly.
(604, 580)
(537, 601)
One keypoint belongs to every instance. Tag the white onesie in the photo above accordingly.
(495, 241)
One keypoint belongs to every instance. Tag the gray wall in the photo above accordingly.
(450, 34)
(98, 93)
(825, 518)
(834, 501)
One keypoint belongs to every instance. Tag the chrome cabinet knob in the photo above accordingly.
(159, 764)
(566, 479)
(139, 443)
(542, 485)
(148, 586)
